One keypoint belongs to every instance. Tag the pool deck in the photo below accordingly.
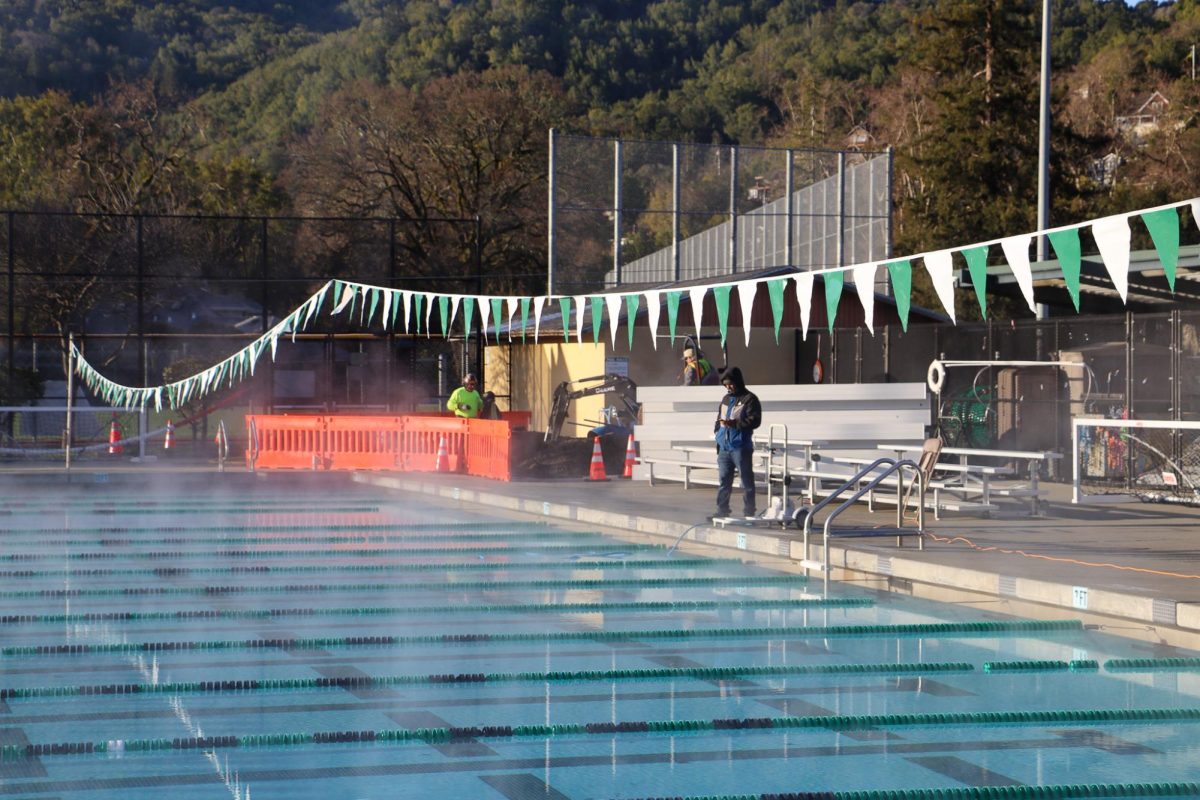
(1132, 568)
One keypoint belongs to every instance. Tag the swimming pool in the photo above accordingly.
(359, 644)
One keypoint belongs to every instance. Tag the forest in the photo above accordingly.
(429, 110)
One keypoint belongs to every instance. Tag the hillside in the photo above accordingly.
(950, 85)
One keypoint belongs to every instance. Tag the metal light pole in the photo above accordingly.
(1043, 217)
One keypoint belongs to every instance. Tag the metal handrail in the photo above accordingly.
(893, 466)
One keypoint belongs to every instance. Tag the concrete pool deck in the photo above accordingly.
(1132, 568)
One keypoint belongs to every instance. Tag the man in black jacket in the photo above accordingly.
(739, 414)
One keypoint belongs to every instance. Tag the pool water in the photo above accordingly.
(360, 644)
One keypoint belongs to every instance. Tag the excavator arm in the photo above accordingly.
(560, 403)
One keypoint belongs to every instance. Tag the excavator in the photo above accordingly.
(617, 419)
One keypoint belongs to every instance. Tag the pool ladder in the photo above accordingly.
(892, 466)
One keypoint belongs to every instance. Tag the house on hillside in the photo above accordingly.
(1149, 116)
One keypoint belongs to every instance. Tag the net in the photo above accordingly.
(1154, 460)
(39, 432)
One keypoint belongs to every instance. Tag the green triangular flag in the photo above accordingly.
(524, 316)
(977, 266)
(775, 292)
(721, 296)
(468, 315)
(395, 308)
(632, 302)
(374, 303)
(1164, 230)
(1066, 247)
(444, 314)
(597, 315)
(901, 274)
(496, 303)
(353, 301)
(673, 312)
(834, 281)
(418, 301)
(564, 303)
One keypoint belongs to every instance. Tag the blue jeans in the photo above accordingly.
(743, 462)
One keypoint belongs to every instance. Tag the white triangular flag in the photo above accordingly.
(347, 294)
(485, 313)
(538, 302)
(1016, 253)
(746, 291)
(511, 304)
(579, 301)
(1196, 212)
(1112, 238)
(652, 311)
(613, 302)
(940, 266)
(804, 290)
(406, 301)
(454, 301)
(864, 283)
(697, 295)
(429, 298)
(387, 308)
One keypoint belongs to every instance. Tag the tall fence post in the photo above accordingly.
(12, 305)
(733, 226)
(789, 205)
(675, 211)
(143, 375)
(551, 168)
(616, 229)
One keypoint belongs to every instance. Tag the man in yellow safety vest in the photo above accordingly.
(465, 400)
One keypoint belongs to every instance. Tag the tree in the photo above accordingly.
(465, 147)
(104, 164)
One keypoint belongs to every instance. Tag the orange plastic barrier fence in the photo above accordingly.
(409, 443)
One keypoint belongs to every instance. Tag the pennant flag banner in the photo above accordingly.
(1016, 251)
(673, 299)
(775, 292)
(864, 284)
(804, 291)
(833, 295)
(390, 306)
(976, 258)
(653, 308)
(1070, 258)
(1112, 237)
(597, 311)
(1164, 231)
(746, 292)
(900, 273)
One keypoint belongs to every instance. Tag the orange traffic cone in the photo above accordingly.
(596, 472)
(630, 457)
(443, 457)
(114, 437)
(169, 439)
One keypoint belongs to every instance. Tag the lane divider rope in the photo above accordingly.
(812, 723)
(513, 608)
(560, 676)
(932, 629)
(424, 586)
(437, 566)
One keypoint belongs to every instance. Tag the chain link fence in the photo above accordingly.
(631, 212)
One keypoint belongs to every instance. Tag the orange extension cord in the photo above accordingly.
(991, 549)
